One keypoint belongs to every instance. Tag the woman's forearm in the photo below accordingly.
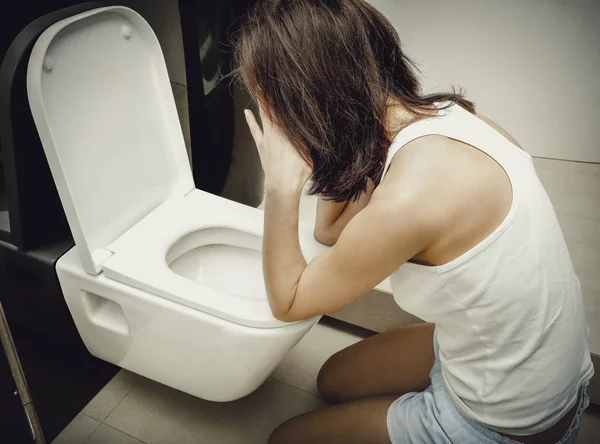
(281, 249)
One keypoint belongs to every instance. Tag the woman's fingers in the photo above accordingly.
(254, 128)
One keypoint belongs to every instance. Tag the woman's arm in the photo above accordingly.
(369, 249)
(392, 229)
(333, 217)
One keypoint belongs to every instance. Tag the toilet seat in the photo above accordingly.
(164, 280)
(101, 99)
(100, 96)
(141, 263)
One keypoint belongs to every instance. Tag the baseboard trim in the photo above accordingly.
(347, 327)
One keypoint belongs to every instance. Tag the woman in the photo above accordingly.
(421, 188)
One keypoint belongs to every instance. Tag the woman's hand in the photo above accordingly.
(285, 170)
(285, 175)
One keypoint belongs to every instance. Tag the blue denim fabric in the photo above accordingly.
(431, 417)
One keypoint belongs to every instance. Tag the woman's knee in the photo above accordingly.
(283, 434)
(328, 381)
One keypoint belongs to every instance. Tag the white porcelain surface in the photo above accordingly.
(165, 280)
(176, 345)
(101, 99)
(227, 268)
(141, 257)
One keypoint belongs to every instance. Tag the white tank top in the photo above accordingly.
(509, 313)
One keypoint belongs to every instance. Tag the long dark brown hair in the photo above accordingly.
(325, 72)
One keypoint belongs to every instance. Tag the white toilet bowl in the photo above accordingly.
(165, 280)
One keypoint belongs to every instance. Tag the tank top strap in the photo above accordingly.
(459, 124)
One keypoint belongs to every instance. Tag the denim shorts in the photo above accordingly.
(431, 417)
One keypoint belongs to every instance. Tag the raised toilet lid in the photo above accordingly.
(101, 99)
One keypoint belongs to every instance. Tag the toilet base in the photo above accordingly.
(173, 344)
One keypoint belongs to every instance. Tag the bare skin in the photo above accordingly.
(331, 220)
(332, 217)
(444, 197)
(363, 380)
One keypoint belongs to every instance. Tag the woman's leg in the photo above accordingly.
(366, 377)
(356, 422)
(391, 363)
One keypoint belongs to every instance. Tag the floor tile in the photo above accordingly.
(590, 425)
(107, 435)
(376, 311)
(157, 414)
(77, 431)
(112, 393)
(301, 365)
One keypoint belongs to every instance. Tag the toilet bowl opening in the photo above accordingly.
(221, 258)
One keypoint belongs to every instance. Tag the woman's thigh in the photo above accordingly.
(358, 422)
(391, 363)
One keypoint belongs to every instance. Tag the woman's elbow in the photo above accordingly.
(288, 316)
(324, 236)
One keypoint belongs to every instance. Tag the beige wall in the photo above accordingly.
(531, 65)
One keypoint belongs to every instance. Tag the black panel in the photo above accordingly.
(206, 27)
(27, 190)
(62, 375)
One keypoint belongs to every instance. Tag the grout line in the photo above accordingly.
(294, 387)
(566, 160)
(95, 428)
(587, 275)
(91, 417)
(124, 433)
(596, 278)
(124, 396)
(578, 215)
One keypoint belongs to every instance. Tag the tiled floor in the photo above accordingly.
(135, 410)
(132, 409)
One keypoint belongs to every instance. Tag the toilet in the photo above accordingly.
(164, 280)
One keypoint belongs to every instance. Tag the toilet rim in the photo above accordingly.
(111, 203)
(139, 257)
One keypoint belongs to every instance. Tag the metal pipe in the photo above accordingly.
(20, 381)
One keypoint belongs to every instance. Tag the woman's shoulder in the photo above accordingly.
(426, 172)
(498, 128)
